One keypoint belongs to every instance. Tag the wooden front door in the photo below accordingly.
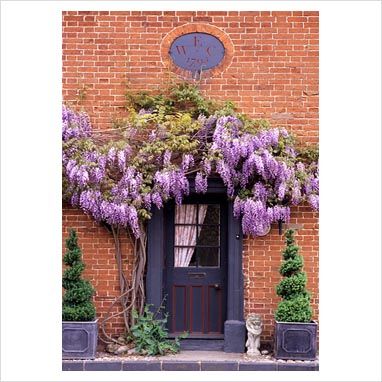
(196, 267)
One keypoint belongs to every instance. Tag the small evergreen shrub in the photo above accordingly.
(150, 334)
(77, 302)
(295, 306)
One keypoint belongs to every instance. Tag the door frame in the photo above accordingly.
(234, 326)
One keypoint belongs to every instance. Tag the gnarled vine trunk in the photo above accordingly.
(132, 291)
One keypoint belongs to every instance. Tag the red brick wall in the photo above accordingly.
(273, 74)
(97, 245)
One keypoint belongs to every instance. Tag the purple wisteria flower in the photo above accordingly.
(260, 192)
(167, 158)
(74, 125)
(255, 219)
(201, 183)
(111, 155)
(313, 201)
(145, 111)
(121, 158)
(157, 199)
(284, 132)
(206, 166)
(237, 207)
(152, 136)
(187, 161)
(281, 190)
(300, 167)
(225, 173)
(128, 187)
(172, 183)
(296, 193)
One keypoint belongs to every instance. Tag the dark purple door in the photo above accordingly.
(196, 267)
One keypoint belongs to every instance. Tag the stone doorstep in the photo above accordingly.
(187, 365)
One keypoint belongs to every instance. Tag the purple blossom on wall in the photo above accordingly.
(145, 111)
(281, 190)
(300, 167)
(274, 137)
(260, 192)
(111, 155)
(255, 217)
(271, 166)
(206, 166)
(224, 171)
(290, 151)
(313, 201)
(162, 180)
(279, 213)
(147, 201)
(157, 199)
(167, 158)
(201, 183)
(121, 158)
(237, 207)
(187, 162)
(75, 199)
(314, 183)
(284, 132)
(128, 188)
(208, 125)
(74, 125)
(90, 202)
(296, 192)
(152, 136)
(172, 183)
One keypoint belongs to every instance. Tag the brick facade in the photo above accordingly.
(271, 72)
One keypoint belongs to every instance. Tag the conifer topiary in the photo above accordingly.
(295, 306)
(77, 302)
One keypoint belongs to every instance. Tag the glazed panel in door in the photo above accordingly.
(196, 268)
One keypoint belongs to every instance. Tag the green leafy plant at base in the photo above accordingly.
(77, 302)
(295, 306)
(150, 334)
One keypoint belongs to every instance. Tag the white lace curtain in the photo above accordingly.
(187, 235)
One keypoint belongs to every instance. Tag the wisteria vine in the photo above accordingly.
(120, 181)
(261, 171)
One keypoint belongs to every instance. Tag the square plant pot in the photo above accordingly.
(79, 339)
(296, 340)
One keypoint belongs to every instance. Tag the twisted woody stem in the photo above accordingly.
(132, 296)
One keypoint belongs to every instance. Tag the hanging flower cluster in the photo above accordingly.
(120, 182)
(74, 125)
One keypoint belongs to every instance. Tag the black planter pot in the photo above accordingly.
(296, 340)
(79, 339)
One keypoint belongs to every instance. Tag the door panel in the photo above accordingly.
(196, 307)
(214, 313)
(179, 308)
(196, 267)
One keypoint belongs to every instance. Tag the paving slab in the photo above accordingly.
(188, 360)
(141, 366)
(219, 366)
(181, 365)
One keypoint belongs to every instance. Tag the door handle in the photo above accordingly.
(217, 286)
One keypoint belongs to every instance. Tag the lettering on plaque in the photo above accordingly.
(197, 51)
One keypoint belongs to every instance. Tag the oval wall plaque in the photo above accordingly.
(197, 51)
